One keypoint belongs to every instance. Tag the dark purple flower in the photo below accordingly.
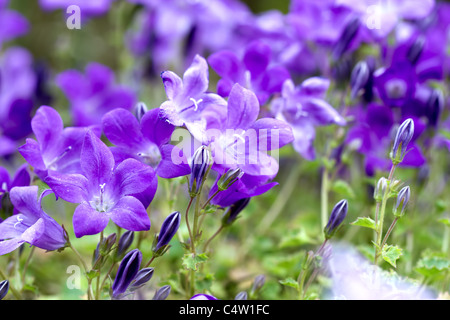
(202, 296)
(104, 191)
(21, 178)
(93, 94)
(31, 225)
(168, 229)
(4, 287)
(147, 141)
(56, 148)
(230, 215)
(188, 102)
(254, 71)
(128, 269)
(304, 108)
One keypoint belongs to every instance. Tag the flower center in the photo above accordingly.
(101, 202)
(151, 157)
(396, 88)
(52, 165)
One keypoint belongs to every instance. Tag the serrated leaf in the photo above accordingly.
(191, 261)
(343, 188)
(290, 282)
(430, 266)
(391, 254)
(365, 222)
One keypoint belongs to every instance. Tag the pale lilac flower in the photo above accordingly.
(104, 191)
(31, 225)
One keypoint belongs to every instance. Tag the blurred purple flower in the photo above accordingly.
(12, 23)
(17, 88)
(104, 192)
(147, 141)
(88, 8)
(242, 140)
(31, 225)
(304, 108)
(254, 71)
(188, 102)
(93, 94)
(354, 278)
(56, 148)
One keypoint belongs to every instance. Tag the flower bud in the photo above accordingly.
(128, 269)
(434, 107)
(404, 135)
(4, 287)
(140, 110)
(258, 283)
(107, 244)
(402, 201)
(337, 216)
(230, 177)
(415, 50)
(232, 211)
(202, 296)
(347, 35)
(168, 230)
(380, 190)
(162, 293)
(241, 296)
(359, 77)
(143, 276)
(125, 242)
(199, 167)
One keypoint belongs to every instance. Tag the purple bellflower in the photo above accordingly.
(21, 178)
(31, 225)
(104, 191)
(188, 102)
(254, 71)
(127, 272)
(304, 108)
(12, 24)
(242, 140)
(88, 8)
(93, 94)
(56, 148)
(147, 141)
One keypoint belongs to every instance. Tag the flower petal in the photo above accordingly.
(132, 176)
(195, 78)
(129, 213)
(122, 128)
(88, 221)
(47, 127)
(70, 187)
(167, 168)
(155, 128)
(243, 108)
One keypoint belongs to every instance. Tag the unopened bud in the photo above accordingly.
(199, 167)
(415, 50)
(168, 230)
(107, 244)
(359, 77)
(125, 242)
(162, 293)
(143, 276)
(336, 218)
(232, 211)
(140, 110)
(347, 35)
(230, 177)
(404, 135)
(128, 269)
(258, 283)
(241, 296)
(4, 287)
(402, 201)
(380, 189)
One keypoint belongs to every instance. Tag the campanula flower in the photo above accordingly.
(147, 140)
(254, 71)
(189, 104)
(93, 93)
(12, 23)
(243, 140)
(56, 148)
(304, 108)
(104, 191)
(31, 225)
(168, 229)
(142, 277)
(21, 178)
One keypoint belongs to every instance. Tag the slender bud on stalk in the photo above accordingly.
(258, 283)
(337, 216)
(199, 167)
(435, 105)
(404, 135)
(128, 269)
(125, 242)
(380, 190)
(168, 230)
(230, 177)
(140, 110)
(416, 49)
(241, 296)
(4, 287)
(359, 77)
(162, 293)
(402, 201)
(232, 211)
(348, 34)
(144, 275)
(107, 244)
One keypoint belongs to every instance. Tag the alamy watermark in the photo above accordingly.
(73, 20)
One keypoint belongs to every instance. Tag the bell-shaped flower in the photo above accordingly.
(56, 148)
(104, 191)
(147, 141)
(31, 225)
(189, 104)
(244, 141)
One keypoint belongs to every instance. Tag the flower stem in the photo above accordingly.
(324, 198)
(212, 237)
(25, 267)
(188, 225)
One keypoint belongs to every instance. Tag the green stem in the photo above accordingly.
(25, 267)
(188, 225)
(212, 237)
(324, 198)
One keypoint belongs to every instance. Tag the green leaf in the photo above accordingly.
(191, 261)
(365, 222)
(431, 266)
(391, 254)
(290, 282)
(445, 221)
(343, 188)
